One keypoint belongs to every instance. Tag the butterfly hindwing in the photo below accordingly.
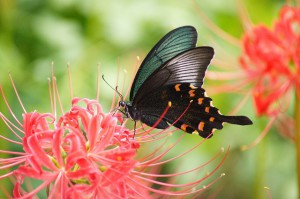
(154, 121)
(190, 111)
(175, 42)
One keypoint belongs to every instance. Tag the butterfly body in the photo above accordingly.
(172, 76)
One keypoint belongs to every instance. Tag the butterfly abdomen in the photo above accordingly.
(240, 120)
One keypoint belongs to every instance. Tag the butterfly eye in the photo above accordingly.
(122, 103)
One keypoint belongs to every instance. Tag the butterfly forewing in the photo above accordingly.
(172, 44)
(187, 67)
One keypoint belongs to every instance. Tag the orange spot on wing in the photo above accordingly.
(207, 109)
(177, 87)
(183, 127)
(200, 100)
(201, 126)
(192, 93)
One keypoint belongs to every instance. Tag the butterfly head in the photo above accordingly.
(122, 104)
(124, 108)
(129, 110)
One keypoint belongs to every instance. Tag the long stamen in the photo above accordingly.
(214, 28)
(16, 92)
(70, 82)
(10, 125)
(261, 136)
(187, 190)
(8, 107)
(53, 90)
(98, 83)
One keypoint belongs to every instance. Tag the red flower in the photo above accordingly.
(81, 151)
(271, 60)
(85, 153)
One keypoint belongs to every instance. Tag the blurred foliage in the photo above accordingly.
(85, 34)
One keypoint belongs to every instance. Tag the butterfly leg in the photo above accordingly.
(134, 128)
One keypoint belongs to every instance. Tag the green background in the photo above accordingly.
(85, 34)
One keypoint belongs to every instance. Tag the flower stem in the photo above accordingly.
(297, 135)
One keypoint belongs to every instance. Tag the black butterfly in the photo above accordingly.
(172, 75)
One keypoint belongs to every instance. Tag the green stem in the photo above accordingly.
(297, 135)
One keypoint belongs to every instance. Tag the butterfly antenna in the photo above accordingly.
(115, 89)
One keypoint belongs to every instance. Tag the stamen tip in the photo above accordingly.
(222, 149)
(244, 148)
(103, 168)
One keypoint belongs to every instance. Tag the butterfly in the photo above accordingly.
(172, 76)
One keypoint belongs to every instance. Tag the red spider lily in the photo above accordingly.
(85, 153)
(268, 70)
(271, 60)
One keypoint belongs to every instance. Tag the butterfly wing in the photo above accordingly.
(191, 110)
(179, 81)
(175, 42)
(187, 67)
